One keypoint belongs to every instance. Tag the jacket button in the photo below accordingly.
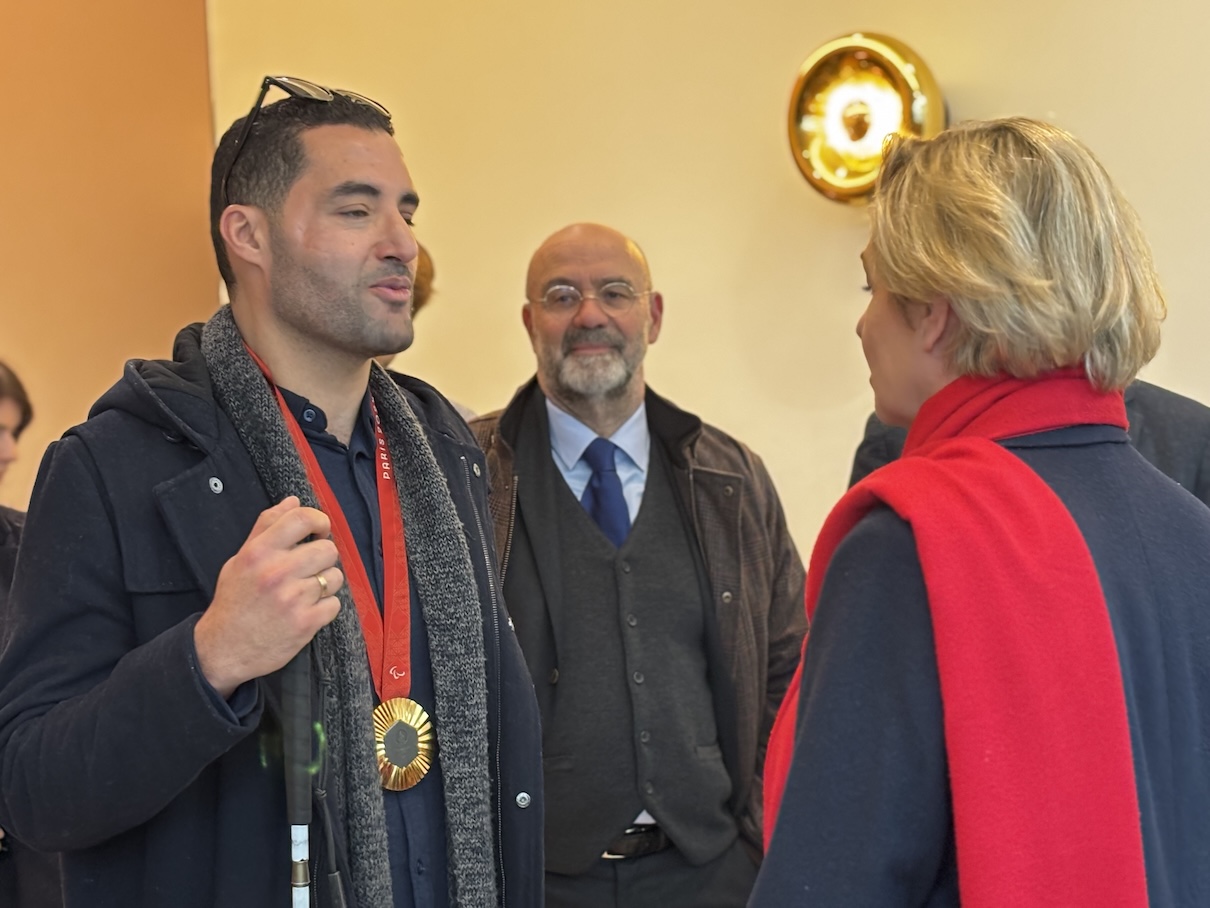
(649, 788)
(216, 485)
(727, 597)
(524, 800)
(554, 676)
(638, 677)
(632, 620)
(645, 736)
(728, 491)
(475, 467)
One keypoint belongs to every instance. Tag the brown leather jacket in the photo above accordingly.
(755, 574)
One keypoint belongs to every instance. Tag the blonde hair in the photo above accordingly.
(1019, 227)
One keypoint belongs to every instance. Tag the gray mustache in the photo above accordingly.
(601, 336)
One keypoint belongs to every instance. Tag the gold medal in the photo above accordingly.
(403, 742)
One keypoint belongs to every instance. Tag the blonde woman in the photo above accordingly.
(1005, 697)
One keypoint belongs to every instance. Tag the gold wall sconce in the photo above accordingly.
(850, 95)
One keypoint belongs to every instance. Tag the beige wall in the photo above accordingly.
(104, 249)
(667, 120)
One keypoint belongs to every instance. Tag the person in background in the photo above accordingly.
(422, 292)
(16, 412)
(28, 879)
(1171, 431)
(422, 283)
(656, 591)
(182, 547)
(1005, 697)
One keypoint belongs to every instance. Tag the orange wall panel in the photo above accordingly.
(104, 169)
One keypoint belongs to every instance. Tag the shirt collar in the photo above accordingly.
(569, 437)
(316, 427)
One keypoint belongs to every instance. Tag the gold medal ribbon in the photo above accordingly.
(404, 739)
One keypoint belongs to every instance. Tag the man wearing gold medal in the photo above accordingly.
(656, 591)
(266, 491)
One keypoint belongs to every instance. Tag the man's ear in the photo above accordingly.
(245, 231)
(527, 318)
(935, 325)
(657, 317)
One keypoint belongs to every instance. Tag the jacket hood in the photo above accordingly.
(177, 395)
(174, 394)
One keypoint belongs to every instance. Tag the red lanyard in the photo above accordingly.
(388, 635)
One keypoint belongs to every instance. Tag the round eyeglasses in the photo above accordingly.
(614, 297)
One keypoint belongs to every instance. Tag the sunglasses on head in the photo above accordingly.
(295, 88)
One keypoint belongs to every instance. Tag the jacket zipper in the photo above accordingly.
(512, 521)
(491, 586)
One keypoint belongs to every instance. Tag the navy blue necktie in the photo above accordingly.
(603, 499)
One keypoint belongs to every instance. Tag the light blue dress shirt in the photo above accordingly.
(569, 438)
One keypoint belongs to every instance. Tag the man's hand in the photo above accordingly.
(270, 599)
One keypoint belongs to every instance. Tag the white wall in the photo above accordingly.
(667, 120)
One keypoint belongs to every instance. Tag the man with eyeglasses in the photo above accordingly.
(257, 601)
(656, 591)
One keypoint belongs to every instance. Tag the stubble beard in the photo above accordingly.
(329, 314)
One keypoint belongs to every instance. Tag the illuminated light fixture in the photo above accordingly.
(850, 95)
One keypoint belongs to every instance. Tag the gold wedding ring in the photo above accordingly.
(323, 586)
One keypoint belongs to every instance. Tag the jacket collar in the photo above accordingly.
(178, 395)
(676, 429)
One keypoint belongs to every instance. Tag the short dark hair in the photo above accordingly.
(12, 389)
(273, 156)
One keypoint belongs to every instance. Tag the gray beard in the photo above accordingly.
(601, 375)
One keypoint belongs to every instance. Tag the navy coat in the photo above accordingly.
(866, 819)
(111, 749)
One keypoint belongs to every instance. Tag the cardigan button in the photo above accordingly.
(728, 491)
(727, 597)
(524, 800)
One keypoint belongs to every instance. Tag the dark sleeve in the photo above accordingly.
(98, 733)
(1201, 487)
(865, 820)
(787, 615)
(879, 446)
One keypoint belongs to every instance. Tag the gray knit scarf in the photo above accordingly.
(441, 566)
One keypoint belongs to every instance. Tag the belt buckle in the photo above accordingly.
(643, 829)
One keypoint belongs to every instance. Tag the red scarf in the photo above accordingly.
(1045, 806)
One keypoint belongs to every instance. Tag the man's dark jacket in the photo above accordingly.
(111, 749)
(754, 633)
(1170, 431)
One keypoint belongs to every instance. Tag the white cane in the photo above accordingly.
(296, 748)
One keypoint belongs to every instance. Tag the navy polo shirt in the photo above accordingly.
(416, 817)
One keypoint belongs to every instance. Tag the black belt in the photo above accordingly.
(637, 842)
